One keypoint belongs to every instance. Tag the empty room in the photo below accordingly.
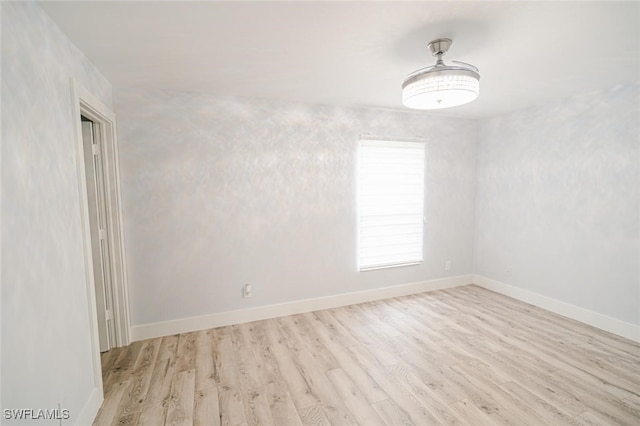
(332, 213)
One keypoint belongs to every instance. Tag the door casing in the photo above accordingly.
(86, 104)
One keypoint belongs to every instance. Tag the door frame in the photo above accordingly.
(85, 103)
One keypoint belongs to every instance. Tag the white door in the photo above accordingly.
(99, 240)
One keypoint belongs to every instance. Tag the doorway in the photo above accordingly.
(96, 203)
(102, 230)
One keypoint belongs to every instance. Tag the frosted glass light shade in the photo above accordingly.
(440, 88)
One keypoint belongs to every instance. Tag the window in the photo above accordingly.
(390, 203)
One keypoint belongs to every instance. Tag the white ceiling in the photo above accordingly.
(357, 53)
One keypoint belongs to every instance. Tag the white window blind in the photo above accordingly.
(390, 203)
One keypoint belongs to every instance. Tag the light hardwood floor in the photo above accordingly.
(459, 356)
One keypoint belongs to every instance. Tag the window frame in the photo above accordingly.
(364, 264)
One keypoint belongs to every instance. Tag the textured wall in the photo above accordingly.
(218, 192)
(46, 357)
(558, 201)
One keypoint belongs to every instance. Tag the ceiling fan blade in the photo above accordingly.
(473, 67)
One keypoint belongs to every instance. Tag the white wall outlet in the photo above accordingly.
(247, 291)
(447, 265)
(508, 271)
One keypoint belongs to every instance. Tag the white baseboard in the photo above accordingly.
(167, 328)
(90, 409)
(603, 322)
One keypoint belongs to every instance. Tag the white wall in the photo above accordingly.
(46, 357)
(558, 201)
(219, 192)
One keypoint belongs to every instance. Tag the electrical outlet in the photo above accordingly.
(508, 271)
(447, 265)
(247, 291)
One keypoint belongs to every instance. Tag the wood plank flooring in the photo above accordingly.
(462, 356)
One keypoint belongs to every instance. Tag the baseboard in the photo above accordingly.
(603, 322)
(167, 328)
(90, 409)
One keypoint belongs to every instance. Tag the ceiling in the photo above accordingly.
(357, 53)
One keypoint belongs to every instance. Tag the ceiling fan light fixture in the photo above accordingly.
(441, 86)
